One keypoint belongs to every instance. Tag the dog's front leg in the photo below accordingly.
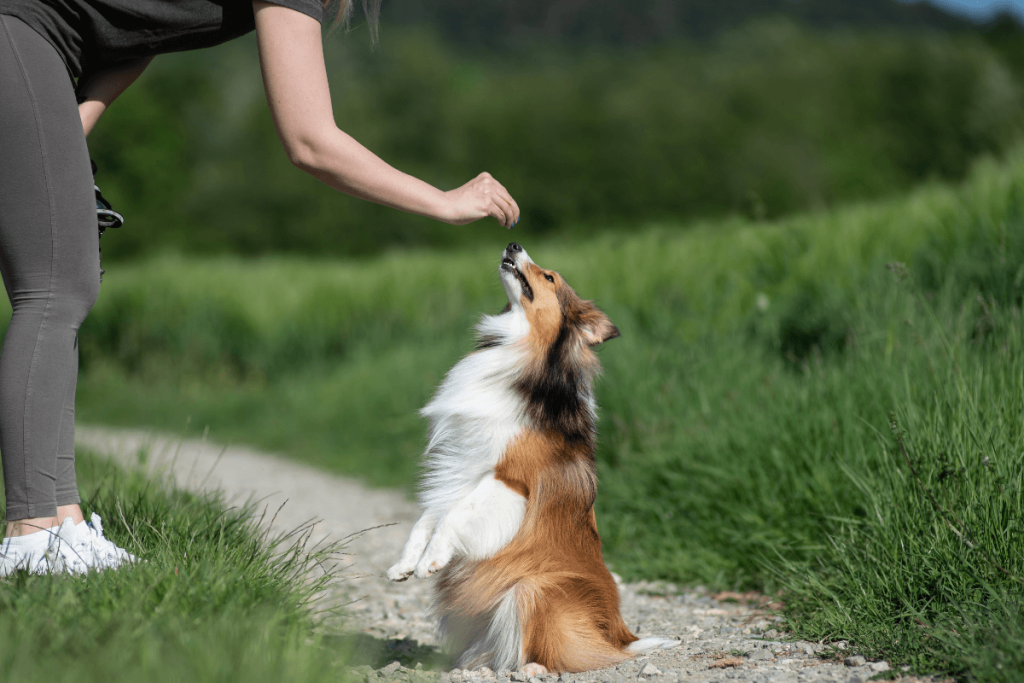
(478, 526)
(414, 547)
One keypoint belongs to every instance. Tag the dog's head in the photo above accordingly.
(559, 330)
(549, 305)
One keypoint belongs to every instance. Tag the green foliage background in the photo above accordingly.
(766, 119)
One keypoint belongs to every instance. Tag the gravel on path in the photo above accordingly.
(391, 622)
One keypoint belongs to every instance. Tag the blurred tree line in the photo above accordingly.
(499, 23)
(593, 129)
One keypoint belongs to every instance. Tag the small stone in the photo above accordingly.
(650, 670)
(808, 649)
(879, 666)
(771, 634)
(485, 672)
(391, 668)
(905, 668)
(855, 660)
(760, 655)
(534, 679)
(726, 663)
(518, 676)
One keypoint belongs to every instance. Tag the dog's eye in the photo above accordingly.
(548, 278)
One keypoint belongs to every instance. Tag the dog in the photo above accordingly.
(509, 485)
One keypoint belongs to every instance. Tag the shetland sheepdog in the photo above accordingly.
(509, 485)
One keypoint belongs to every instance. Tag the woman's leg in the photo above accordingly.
(49, 259)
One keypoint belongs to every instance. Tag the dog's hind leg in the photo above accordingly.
(493, 638)
(414, 547)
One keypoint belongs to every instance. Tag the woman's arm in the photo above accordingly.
(98, 90)
(291, 56)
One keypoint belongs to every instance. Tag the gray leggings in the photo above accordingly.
(50, 263)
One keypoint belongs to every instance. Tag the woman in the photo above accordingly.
(49, 251)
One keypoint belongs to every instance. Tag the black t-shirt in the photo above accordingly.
(89, 34)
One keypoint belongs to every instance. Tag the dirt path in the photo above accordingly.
(720, 640)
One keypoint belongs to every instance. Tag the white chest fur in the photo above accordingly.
(474, 416)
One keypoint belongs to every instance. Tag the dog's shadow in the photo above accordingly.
(361, 649)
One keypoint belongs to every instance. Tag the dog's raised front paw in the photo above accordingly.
(535, 669)
(401, 572)
(433, 562)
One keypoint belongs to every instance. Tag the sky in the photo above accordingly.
(979, 10)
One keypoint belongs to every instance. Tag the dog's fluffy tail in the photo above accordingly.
(558, 619)
(561, 628)
(648, 644)
(534, 619)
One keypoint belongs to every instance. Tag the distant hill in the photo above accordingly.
(502, 23)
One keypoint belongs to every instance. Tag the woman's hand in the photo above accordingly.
(294, 76)
(481, 197)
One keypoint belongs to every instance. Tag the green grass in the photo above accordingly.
(329, 360)
(212, 602)
(745, 412)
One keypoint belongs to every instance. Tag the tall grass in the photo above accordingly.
(212, 601)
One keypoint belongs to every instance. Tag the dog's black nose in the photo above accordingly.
(513, 248)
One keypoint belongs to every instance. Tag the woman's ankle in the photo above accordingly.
(72, 511)
(24, 527)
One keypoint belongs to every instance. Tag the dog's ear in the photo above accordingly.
(596, 327)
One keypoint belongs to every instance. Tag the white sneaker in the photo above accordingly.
(64, 549)
(26, 552)
(66, 553)
(92, 543)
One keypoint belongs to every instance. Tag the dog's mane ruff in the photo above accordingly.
(475, 414)
(558, 387)
(499, 330)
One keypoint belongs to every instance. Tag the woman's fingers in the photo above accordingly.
(508, 210)
(501, 210)
(481, 197)
(507, 198)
